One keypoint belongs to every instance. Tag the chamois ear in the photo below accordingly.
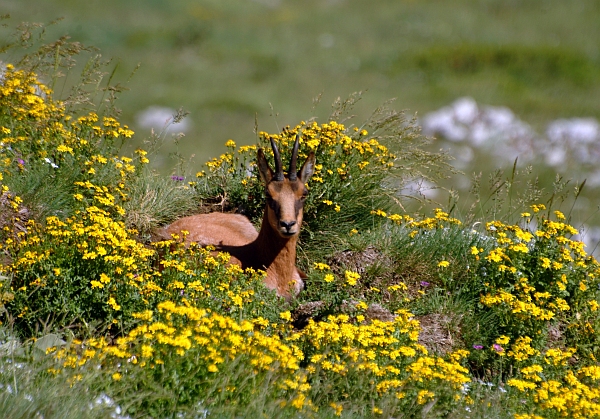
(266, 174)
(308, 168)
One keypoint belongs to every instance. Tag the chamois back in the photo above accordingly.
(273, 248)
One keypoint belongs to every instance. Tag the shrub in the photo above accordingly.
(356, 172)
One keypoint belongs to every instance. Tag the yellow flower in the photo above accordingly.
(526, 236)
(113, 304)
(285, 315)
(538, 207)
(321, 266)
(522, 385)
(546, 263)
(443, 264)
(503, 340)
(64, 149)
(352, 277)
(400, 286)
(379, 212)
(520, 247)
(338, 408)
(96, 284)
(313, 144)
(495, 255)
(424, 396)
(362, 305)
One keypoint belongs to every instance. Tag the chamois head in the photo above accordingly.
(285, 194)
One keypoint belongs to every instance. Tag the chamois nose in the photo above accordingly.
(287, 225)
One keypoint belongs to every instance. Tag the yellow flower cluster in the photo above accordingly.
(522, 350)
(24, 96)
(537, 276)
(340, 150)
(41, 129)
(523, 257)
(387, 352)
(522, 304)
(91, 238)
(575, 395)
(335, 138)
(213, 340)
(440, 220)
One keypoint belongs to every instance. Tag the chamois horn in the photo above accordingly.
(293, 174)
(278, 169)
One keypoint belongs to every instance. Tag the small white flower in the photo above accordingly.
(51, 163)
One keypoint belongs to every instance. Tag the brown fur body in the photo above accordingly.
(235, 234)
(273, 248)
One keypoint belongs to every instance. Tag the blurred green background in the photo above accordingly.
(228, 62)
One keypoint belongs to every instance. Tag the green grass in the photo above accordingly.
(27, 390)
(399, 311)
(228, 61)
(232, 64)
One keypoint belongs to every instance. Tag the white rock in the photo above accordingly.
(499, 116)
(487, 126)
(443, 123)
(573, 131)
(160, 119)
(555, 156)
(465, 110)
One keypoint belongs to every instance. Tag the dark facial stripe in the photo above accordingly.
(273, 191)
(298, 205)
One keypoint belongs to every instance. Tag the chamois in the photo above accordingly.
(273, 248)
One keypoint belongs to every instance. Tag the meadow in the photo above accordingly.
(229, 62)
(240, 67)
(490, 315)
